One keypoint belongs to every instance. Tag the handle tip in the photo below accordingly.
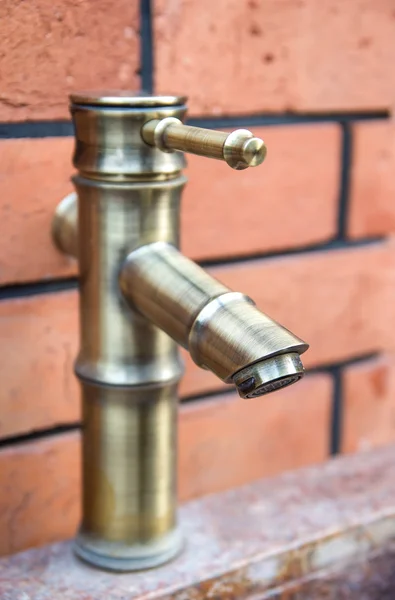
(254, 151)
(242, 150)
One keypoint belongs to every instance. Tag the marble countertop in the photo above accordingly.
(241, 543)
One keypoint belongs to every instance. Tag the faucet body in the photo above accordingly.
(139, 299)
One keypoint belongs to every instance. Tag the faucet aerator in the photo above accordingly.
(269, 375)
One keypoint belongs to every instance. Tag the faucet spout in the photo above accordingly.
(223, 330)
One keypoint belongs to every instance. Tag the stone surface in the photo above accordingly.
(293, 55)
(372, 207)
(240, 543)
(51, 49)
(38, 509)
(340, 302)
(225, 213)
(370, 579)
(369, 404)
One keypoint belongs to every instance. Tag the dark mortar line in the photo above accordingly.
(24, 290)
(337, 410)
(326, 368)
(283, 119)
(36, 129)
(334, 369)
(341, 364)
(345, 179)
(209, 395)
(39, 434)
(60, 128)
(146, 47)
(336, 244)
(336, 420)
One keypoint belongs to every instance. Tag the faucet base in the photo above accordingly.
(129, 497)
(116, 556)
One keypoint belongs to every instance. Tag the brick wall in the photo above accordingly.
(312, 243)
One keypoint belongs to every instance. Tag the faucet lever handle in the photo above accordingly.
(240, 149)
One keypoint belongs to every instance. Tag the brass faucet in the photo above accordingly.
(139, 298)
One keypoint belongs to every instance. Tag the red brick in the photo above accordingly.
(224, 212)
(282, 204)
(240, 57)
(34, 177)
(49, 49)
(341, 302)
(369, 404)
(39, 338)
(227, 442)
(40, 480)
(372, 210)
(40, 485)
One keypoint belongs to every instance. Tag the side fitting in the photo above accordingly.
(139, 299)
